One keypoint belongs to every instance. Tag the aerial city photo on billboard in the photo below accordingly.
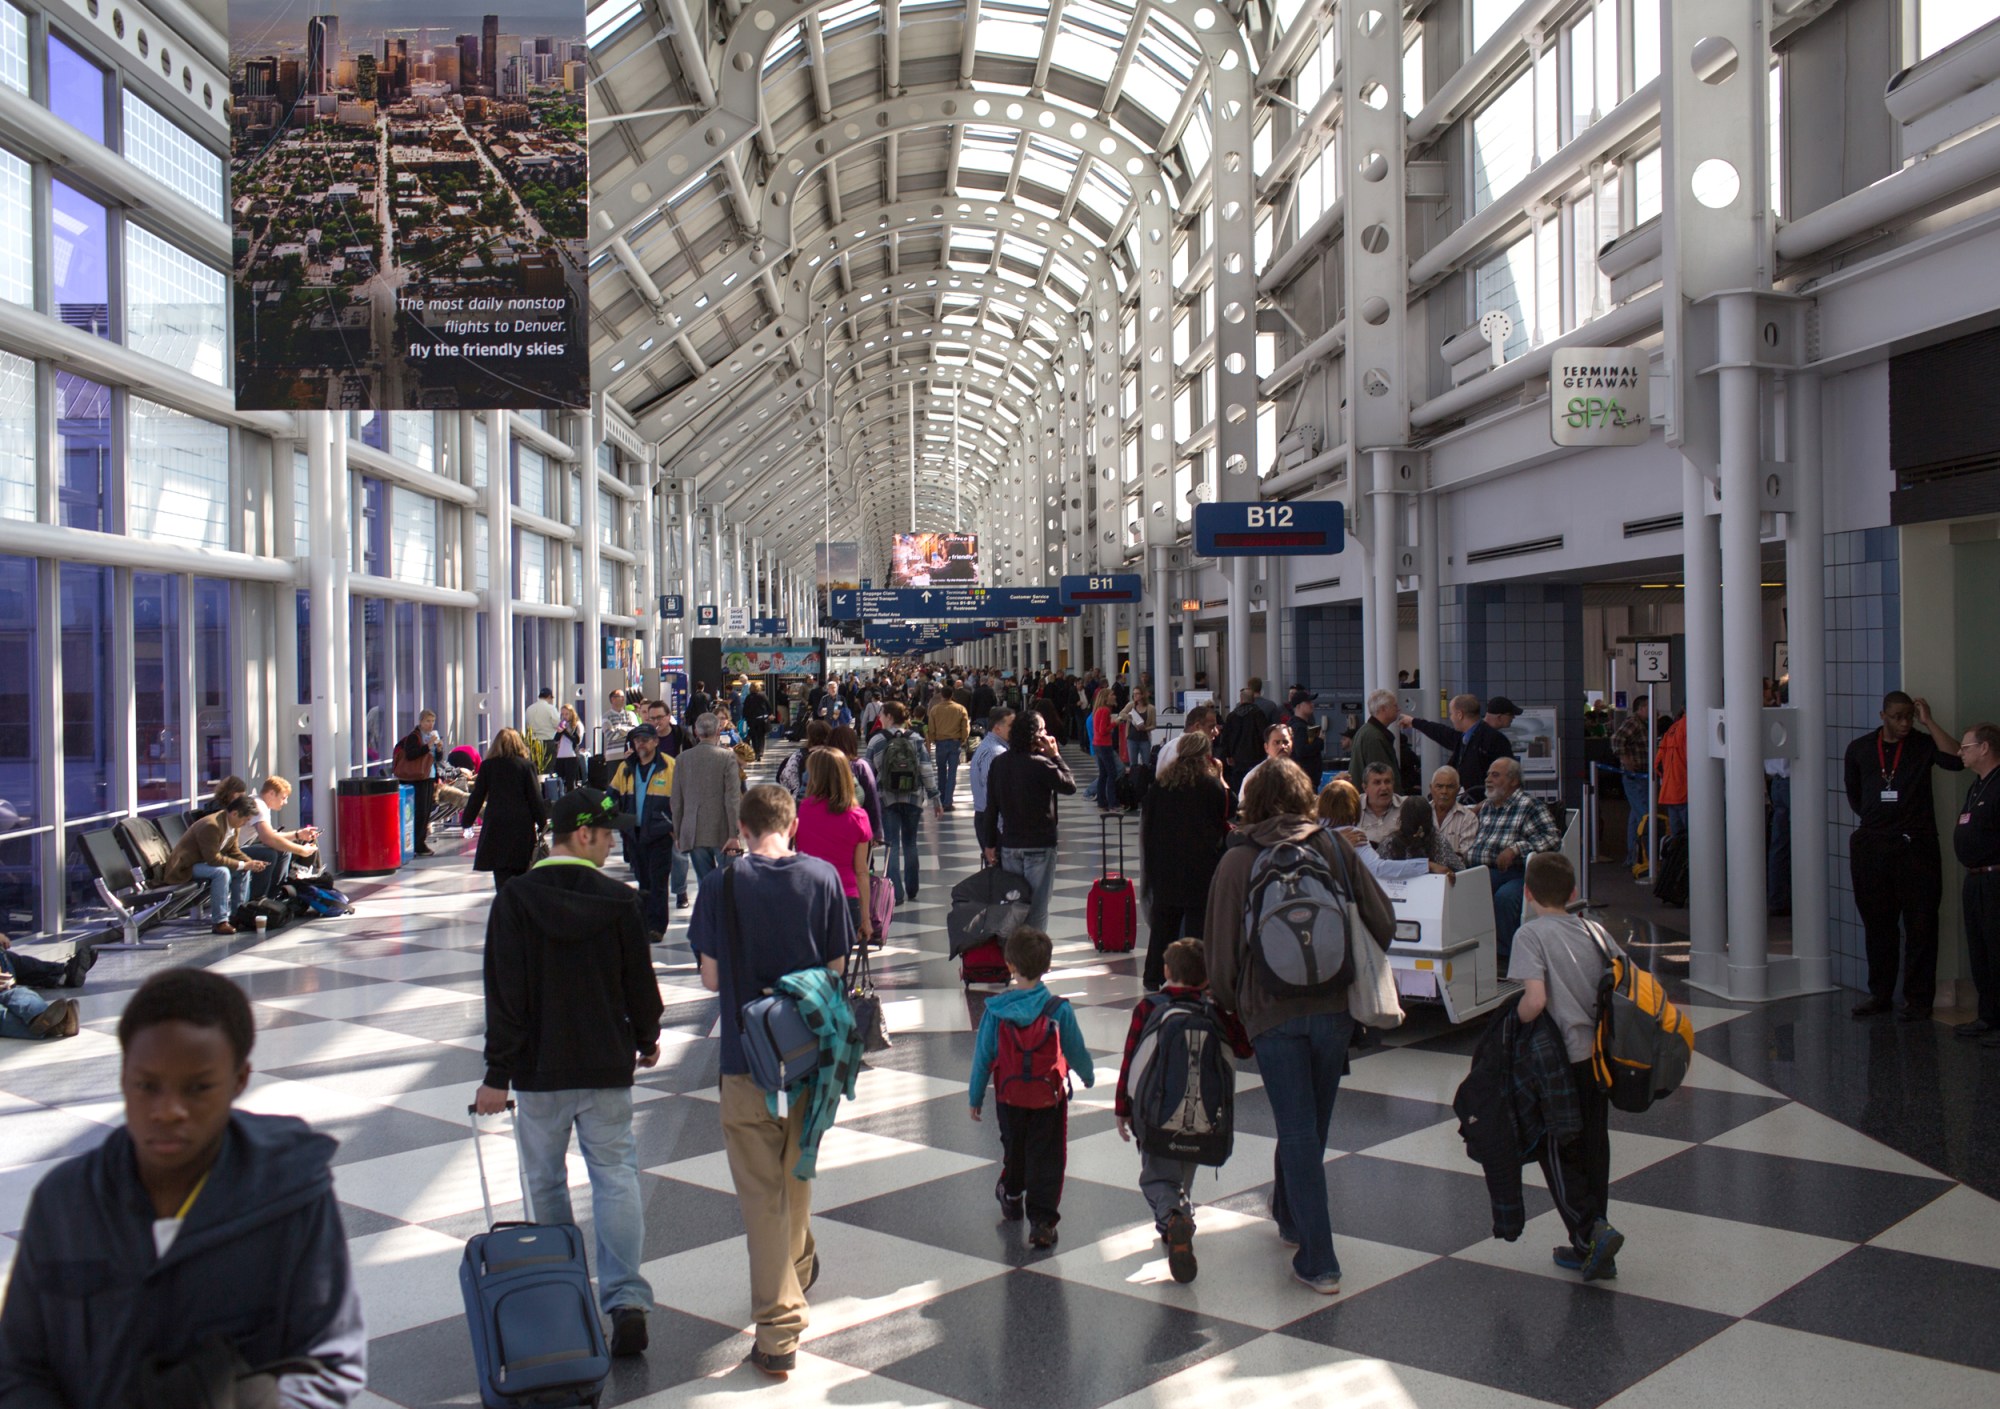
(409, 186)
(928, 559)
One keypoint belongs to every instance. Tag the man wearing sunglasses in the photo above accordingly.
(572, 1008)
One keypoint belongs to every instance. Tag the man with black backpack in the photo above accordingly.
(1283, 912)
(1176, 1093)
(906, 782)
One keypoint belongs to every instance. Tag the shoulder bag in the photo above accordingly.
(779, 1046)
(1372, 999)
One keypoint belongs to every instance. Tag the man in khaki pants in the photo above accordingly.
(789, 914)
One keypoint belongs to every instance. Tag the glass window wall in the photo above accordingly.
(17, 230)
(79, 263)
(17, 438)
(157, 664)
(413, 546)
(13, 48)
(214, 695)
(84, 492)
(176, 307)
(157, 146)
(76, 88)
(179, 476)
(88, 781)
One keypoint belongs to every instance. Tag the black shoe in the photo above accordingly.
(776, 1366)
(628, 1331)
(76, 967)
(1978, 1027)
(1043, 1235)
(1872, 1008)
(681, 900)
(1911, 1014)
(1014, 1208)
(1180, 1245)
(812, 1277)
(425, 851)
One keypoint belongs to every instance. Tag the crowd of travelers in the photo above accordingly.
(210, 1239)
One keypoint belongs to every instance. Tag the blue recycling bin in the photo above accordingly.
(406, 811)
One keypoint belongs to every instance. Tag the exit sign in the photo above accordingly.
(1241, 530)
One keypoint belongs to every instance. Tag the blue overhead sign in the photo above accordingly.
(673, 606)
(1244, 530)
(707, 615)
(1101, 588)
(769, 625)
(944, 603)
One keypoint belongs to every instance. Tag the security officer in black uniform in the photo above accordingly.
(1976, 840)
(1893, 856)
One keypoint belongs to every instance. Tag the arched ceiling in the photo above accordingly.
(861, 203)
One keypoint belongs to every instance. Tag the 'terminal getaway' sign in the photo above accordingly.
(1597, 396)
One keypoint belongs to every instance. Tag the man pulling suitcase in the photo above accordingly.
(571, 1008)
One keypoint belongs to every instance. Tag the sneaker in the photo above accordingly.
(1605, 1241)
(1569, 1259)
(1180, 1245)
(1014, 1208)
(775, 1365)
(1043, 1235)
(628, 1331)
(1327, 1285)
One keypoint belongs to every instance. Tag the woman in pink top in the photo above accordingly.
(833, 827)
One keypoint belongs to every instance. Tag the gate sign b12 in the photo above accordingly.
(1243, 530)
(1101, 589)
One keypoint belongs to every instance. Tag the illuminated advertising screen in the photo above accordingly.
(927, 559)
(408, 193)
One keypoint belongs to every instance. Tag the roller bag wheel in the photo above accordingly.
(983, 963)
(536, 1335)
(1112, 912)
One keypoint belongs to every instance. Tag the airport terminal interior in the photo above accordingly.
(1607, 372)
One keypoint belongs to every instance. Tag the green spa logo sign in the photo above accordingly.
(1598, 396)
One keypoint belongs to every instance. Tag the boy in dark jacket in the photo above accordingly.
(571, 1004)
(1165, 1182)
(1034, 1140)
(195, 1230)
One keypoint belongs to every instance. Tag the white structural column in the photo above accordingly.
(1430, 606)
(1741, 468)
(1805, 572)
(589, 611)
(1374, 375)
(690, 579)
(1276, 584)
(1242, 572)
(1233, 187)
(500, 687)
(1701, 572)
(326, 583)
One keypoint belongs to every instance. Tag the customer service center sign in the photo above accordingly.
(409, 194)
(1597, 396)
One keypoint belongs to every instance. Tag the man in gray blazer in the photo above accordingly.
(708, 783)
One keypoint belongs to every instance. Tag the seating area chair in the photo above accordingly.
(137, 906)
(173, 826)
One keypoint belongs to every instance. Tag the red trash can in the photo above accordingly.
(370, 826)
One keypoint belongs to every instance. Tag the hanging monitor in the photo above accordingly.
(931, 559)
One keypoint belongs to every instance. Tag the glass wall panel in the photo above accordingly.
(481, 552)
(413, 539)
(157, 662)
(371, 631)
(157, 146)
(413, 437)
(76, 89)
(13, 48)
(531, 479)
(21, 883)
(302, 793)
(179, 485)
(17, 229)
(430, 664)
(88, 789)
(214, 683)
(1503, 142)
(301, 504)
(176, 307)
(79, 261)
(83, 453)
(374, 509)
(406, 705)
(17, 437)
(531, 569)
(20, 711)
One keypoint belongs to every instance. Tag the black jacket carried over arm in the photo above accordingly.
(1021, 793)
(570, 992)
(509, 794)
(261, 1260)
(1518, 1093)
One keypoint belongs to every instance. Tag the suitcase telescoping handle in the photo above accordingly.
(479, 1153)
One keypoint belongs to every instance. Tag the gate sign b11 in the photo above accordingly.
(1598, 395)
(1101, 588)
(1240, 530)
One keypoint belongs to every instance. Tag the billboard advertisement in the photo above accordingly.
(751, 658)
(927, 559)
(838, 566)
(408, 191)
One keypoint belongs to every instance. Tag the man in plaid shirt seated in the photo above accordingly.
(1512, 827)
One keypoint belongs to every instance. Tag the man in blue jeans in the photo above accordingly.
(1301, 1040)
(707, 786)
(905, 781)
(571, 1008)
(1631, 744)
(1022, 785)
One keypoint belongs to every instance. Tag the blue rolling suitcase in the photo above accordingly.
(536, 1335)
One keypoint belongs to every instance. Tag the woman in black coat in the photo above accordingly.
(510, 795)
(1182, 826)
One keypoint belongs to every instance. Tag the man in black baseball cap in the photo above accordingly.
(572, 1008)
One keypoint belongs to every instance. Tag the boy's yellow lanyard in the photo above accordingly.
(193, 1194)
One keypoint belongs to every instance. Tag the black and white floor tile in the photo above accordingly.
(1811, 1220)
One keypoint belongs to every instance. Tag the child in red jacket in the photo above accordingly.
(1164, 1181)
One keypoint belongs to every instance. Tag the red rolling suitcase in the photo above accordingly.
(1112, 913)
(983, 963)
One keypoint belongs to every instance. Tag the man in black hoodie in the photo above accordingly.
(571, 1004)
(193, 1234)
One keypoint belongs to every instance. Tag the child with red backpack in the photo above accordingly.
(1029, 1044)
(1165, 1178)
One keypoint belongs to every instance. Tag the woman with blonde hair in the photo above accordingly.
(568, 744)
(508, 791)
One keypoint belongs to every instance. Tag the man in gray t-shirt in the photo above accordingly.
(1559, 962)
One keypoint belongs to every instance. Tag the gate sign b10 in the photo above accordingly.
(1598, 395)
(1101, 588)
(1240, 530)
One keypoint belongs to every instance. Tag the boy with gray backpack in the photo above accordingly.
(1177, 1095)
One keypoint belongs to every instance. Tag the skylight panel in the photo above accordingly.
(602, 21)
(1014, 31)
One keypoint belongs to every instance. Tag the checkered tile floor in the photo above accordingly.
(1776, 1256)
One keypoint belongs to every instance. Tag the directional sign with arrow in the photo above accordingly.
(945, 603)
